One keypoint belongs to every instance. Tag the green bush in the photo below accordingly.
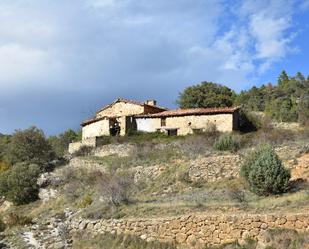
(226, 142)
(4, 166)
(86, 201)
(29, 146)
(60, 143)
(264, 172)
(19, 184)
(2, 225)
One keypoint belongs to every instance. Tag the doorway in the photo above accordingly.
(114, 127)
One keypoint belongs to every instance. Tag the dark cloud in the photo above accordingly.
(61, 60)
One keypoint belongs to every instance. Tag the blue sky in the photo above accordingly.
(61, 60)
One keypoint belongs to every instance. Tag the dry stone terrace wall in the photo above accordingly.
(195, 230)
(214, 168)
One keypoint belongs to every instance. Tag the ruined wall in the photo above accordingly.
(198, 229)
(99, 128)
(186, 124)
(121, 109)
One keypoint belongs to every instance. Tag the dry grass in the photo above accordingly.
(107, 241)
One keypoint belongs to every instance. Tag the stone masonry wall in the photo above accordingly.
(214, 168)
(198, 230)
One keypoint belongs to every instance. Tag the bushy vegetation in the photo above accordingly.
(114, 188)
(29, 146)
(2, 225)
(19, 184)
(4, 166)
(23, 156)
(288, 101)
(15, 219)
(226, 142)
(60, 143)
(264, 172)
(206, 94)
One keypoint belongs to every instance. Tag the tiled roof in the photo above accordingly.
(131, 102)
(187, 112)
(92, 120)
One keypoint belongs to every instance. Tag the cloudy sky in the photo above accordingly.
(60, 60)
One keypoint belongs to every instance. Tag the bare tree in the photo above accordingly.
(114, 188)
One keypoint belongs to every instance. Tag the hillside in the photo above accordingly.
(139, 184)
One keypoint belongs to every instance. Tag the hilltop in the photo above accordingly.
(154, 179)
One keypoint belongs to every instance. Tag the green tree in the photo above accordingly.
(19, 184)
(206, 94)
(303, 109)
(264, 172)
(61, 142)
(4, 142)
(283, 79)
(29, 146)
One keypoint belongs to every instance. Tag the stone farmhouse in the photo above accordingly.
(123, 115)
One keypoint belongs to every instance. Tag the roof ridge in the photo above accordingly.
(191, 111)
(129, 101)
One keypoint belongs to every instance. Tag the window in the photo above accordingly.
(163, 121)
(172, 132)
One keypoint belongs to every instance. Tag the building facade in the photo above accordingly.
(117, 118)
(123, 115)
(189, 121)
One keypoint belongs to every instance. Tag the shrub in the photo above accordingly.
(226, 142)
(114, 188)
(83, 151)
(14, 219)
(2, 225)
(60, 143)
(29, 146)
(4, 166)
(19, 184)
(86, 201)
(264, 172)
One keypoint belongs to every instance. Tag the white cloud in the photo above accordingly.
(268, 24)
(271, 41)
(99, 49)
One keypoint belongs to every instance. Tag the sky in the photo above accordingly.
(61, 60)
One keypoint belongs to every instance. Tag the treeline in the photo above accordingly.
(285, 101)
(26, 154)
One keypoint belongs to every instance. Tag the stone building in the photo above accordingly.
(188, 121)
(117, 118)
(123, 115)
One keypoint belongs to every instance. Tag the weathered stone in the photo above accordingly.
(181, 237)
(191, 240)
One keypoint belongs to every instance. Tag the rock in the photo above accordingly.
(181, 237)
(143, 236)
(59, 245)
(191, 240)
(82, 225)
(47, 194)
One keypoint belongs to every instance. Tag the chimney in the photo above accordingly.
(151, 102)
